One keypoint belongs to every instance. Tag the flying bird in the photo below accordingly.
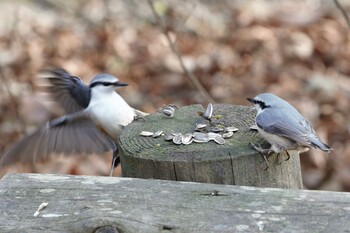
(95, 116)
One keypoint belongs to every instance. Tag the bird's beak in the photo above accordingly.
(120, 84)
(251, 100)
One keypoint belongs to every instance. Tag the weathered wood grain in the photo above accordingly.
(236, 162)
(94, 204)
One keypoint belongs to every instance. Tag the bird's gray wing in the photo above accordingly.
(285, 124)
(59, 136)
(68, 90)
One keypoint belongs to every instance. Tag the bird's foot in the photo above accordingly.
(267, 164)
(260, 149)
(263, 153)
(287, 155)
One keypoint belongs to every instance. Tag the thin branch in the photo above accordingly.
(188, 74)
(340, 7)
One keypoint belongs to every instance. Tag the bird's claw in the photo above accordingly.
(288, 156)
(266, 162)
(260, 149)
(263, 153)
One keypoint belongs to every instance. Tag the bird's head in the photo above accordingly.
(265, 100)
(106, 83)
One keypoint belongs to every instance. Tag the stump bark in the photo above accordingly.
(236, 162)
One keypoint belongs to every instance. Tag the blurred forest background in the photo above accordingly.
(299, 50)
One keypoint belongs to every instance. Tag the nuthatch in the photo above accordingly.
(281, 125)
(96, 114)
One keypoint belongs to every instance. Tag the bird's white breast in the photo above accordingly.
(277, 143)
(110, 111)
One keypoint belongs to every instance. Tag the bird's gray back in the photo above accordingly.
(286, 122)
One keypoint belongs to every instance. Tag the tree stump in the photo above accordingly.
(236, 162)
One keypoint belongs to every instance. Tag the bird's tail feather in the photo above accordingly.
(316, 142)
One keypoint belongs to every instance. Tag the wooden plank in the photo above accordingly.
(236, 162)
(88, 204)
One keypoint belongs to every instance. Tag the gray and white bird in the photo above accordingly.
(281, 125)
(96, 114)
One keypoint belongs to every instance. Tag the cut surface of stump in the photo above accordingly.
(236, 162)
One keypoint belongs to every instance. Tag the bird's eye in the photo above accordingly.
(106, 84)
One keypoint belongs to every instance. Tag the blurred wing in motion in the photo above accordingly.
(59, 136)
(67, 90)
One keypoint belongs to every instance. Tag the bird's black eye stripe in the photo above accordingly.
(262, 104)
(106, 84)
(101, 83)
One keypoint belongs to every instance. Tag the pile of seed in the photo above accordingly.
(202, 133)
(198, 136)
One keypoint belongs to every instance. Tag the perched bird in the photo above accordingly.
(95, 116)
(281, 125)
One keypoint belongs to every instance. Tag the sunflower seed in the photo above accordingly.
(168, 137)
(187, 138)
(219, 140)
(228, 134)
(200, 140)
(177, 139)
(157, 134)
(198, 134)
(40, 208)
(231, 129)
(200, 126)
(212, 135)
(189, 142)
(146, 133)
(217, 129)
(200, 137)
(208, 112)
(168, 111)
(254, 127)
(173, 106)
